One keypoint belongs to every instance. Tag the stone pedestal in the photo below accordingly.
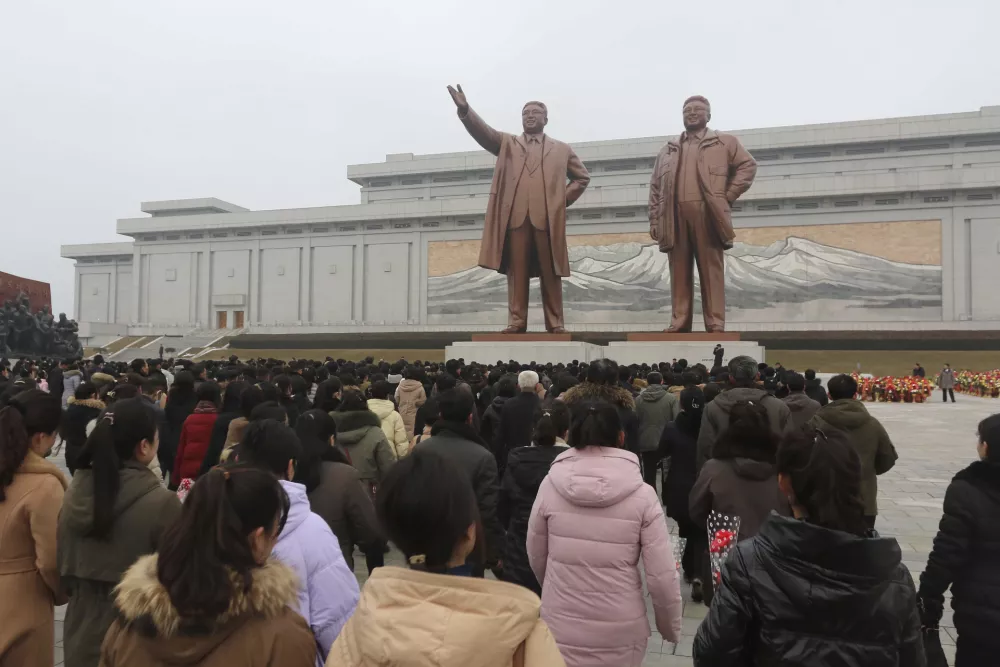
(695, 351)
(544, 348)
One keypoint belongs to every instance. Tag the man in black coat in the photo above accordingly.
(814, 388)
(966, 554)
(73, 427)
(56, 383)
(454, 438)
(517, 419)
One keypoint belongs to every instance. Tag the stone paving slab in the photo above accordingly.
(934, 441)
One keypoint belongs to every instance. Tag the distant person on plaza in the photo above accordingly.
(867, 435)
(718, 353)
(947, 383)
(801, 406)
(743, 377)
(392, 422)
(455, 438)
(592, 522)
(814, 388)
(526, 468)
(655, 407)
(814, 589)
(919, 371)
(517, 419)
(966, 553)
(432, 612)
(679, 450)
(410, 395)
(31, 493)
(115, 511)
(327, 590)
(214, 602)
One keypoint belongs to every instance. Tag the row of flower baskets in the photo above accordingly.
(979, 383)
(888, 389)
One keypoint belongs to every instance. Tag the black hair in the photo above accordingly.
(251, 397)
(602, 371)
(654, 378)
(270, 445)
(268, 410)
(455, 405)
(810, 374)
(551, 422)
(381, 390)
(426, 504)
(26, 414)
(153, 384)
(989, 432)
(594, 424)
(352, 401)
(84, 391)
(507, 386)
(209, 391)
(112, 442)
(795, 382)
(842, 386)
(119, 392)
(232, 399)
(748, 435)
(325, 394)
(314, 429)
(210, 539)
(445, 382)
(182, 389)
(825, 474)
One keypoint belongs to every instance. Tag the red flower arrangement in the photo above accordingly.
(984, 383)
(889, 389)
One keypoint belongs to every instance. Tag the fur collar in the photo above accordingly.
(355, 420)
(140, 597)
(94, 403)
(588, 391)
(34, 464)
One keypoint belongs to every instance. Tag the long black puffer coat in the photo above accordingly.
(526, 468)
(966, 554)
(799, 594)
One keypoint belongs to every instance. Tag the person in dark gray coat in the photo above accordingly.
(655, 407)
(801, 406)
(455, 438)
(947, 383)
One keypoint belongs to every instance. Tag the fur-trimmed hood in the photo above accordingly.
(144, 607)
(355, 420)
(588, 391)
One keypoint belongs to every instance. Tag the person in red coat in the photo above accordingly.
(196, 434)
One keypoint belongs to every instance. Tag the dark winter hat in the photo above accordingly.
(743, 369)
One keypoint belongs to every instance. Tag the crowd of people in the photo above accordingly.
(215, 510)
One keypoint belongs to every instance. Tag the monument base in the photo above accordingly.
(695, 351)
(660, 336)
(542, 348)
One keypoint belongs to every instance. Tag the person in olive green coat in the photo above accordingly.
(113, 513)
(869, 437)
(360, 435)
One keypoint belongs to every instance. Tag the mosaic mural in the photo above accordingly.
(860, 272)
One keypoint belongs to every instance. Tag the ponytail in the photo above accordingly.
(113, 441)
(595, 424)
(551, 422)
(210, 540)
(25, 415)
(825, 474)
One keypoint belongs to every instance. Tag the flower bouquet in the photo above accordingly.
(889, 389)
(184, 488)
(679, 545)
(723, 532)
(985, 383)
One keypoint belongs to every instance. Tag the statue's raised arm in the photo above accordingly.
(485, 136)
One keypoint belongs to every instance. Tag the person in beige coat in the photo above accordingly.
(410, 395)
(31, 493)
(392, 421)
(434, 613)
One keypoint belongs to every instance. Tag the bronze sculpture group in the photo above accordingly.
(696, 179)
(27, 333)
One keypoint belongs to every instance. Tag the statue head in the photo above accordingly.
(534, 117)
(697, 112)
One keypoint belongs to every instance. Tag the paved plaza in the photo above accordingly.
(933, 440)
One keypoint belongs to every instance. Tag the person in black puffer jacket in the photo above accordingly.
(966, 553)
(506, 388)
(84, 408)
(526, 468)
(817, 589)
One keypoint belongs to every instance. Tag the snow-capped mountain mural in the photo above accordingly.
(794, 279)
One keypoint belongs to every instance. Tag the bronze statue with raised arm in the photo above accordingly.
(535, 179)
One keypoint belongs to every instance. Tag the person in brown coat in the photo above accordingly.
(214, 602)
(696, 179)
(31, 492)
(410, 395)
(525, 231)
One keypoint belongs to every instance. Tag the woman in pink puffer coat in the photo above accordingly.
(592, 520)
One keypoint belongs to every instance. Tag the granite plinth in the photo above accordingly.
(694, 337)
(522, 338)
(545, 350)
(653, 351)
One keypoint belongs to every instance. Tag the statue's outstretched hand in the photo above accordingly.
(459, 98)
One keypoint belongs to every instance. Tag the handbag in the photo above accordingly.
(932, 647)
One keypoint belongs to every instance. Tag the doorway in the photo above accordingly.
(222, 319)
(238, 319)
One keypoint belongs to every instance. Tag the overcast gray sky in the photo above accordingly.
(109, 103)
